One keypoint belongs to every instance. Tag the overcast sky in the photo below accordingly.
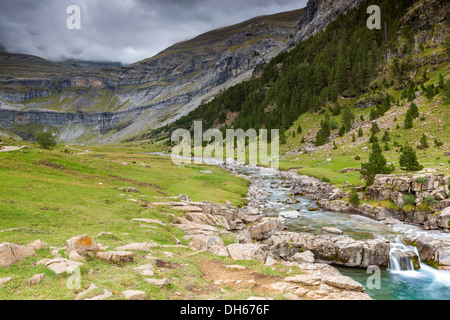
(120, 30)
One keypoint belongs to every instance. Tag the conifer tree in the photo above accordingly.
(424, 142)
(360, 132)
(375, 129)
(377, 164)
(408, 120)
(408, 159)
(414, 110)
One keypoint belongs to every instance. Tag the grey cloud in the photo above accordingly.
(120, 30)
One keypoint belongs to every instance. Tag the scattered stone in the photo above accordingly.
(11, 253)
(134, 295)
(333, 230)
(290, 214)
(159, 282)
(116, 256)
(4, 280)
(145, 270)
(60, 266)
(82, 294)
(36, 279)
(42, 262)
(38, 245)
(137, 247)
(82, 244)
(75, 256)
(106, 294)
(259, 299)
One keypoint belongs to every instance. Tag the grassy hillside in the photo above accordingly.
(55, 195)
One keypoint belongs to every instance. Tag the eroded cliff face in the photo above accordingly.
(155, 91)
(150, 92)
(318, 14)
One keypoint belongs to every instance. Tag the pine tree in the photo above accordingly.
(353, 137)
(335, 147)
(299, 129)
(375, 129)
(347, 118)
(377, 164)
(424, 142)
(373, 138)
(414, 110)
(386, 137)
(408, 159)
(360, 132)
(354, 198)
(408, 120)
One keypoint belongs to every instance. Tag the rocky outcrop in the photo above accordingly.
(435, 252)
(11, 253)
(374, 212)
(312, 188)
(422, 186)
(429, 192)
(338, 250)
(318, 14)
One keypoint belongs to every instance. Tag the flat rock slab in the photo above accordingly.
(333, 230)
(60, 265)
(188, 208)
(134, 295)
(106, 294)
(159, 282)
(137, 247)
(116, 256)
(248, 252)
(4, 280)
(145, 270)
(82, 294)
(11, 253)
(150, 221)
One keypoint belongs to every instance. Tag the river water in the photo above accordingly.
(303, 215)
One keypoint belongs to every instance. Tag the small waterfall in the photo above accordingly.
(403, 257)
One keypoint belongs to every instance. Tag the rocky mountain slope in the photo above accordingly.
(83, 100)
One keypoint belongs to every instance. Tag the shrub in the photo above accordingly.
(46, 140)
(354, 198)
(357, 158)
(325, 179)
(421, 180)
(438, 143)
(409, 199)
